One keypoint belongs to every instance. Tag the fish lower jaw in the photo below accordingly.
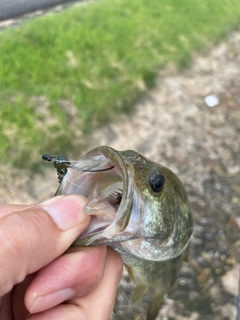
(149, 249)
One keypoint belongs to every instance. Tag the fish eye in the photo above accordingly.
(156, 181)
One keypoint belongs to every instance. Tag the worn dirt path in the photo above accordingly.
(174, 126)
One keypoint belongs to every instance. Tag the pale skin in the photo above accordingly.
(41, 278)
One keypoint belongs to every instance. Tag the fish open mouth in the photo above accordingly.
(104, 199)
(101, 176)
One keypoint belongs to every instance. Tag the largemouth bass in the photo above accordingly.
(138, 207)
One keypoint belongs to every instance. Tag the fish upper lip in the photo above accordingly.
(123, 213)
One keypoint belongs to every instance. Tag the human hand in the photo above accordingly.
(40, 278)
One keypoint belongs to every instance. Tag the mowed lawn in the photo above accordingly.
(63, 74)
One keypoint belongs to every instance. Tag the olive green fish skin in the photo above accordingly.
(164, 207)
(153, 224)
(159, 275)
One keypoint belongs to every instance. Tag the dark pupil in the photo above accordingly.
(156, 181)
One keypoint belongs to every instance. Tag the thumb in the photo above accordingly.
(32, 238)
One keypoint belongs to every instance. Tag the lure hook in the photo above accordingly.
(62, 163)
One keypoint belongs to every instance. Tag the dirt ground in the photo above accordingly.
(174, 126)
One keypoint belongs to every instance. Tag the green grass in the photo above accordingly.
(101, 57)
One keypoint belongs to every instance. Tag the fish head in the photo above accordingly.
(136, 205)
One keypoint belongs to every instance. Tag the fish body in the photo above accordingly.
(139, 208)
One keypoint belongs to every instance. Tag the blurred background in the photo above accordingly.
(159, 77)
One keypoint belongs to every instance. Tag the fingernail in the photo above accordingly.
(50, 300)
(66, 211)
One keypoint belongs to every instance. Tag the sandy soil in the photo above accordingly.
(174, 126)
